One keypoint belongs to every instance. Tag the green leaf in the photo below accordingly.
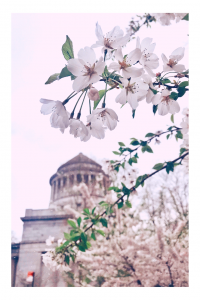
(169, 167)
(86, 210)
(67, 236)
(104, 222)
(168, 136)
(133, 113)
(116, 153)
(81, 248)
(120, 204)
(88, 245)
(186, 18)
(134, 143)
(75, 238)
(182, 150)
(149, 134)
(179, 135)
(84, 237)
(67, 49)
(140, 180)
(155, 107)
(158, 166)
(166, 80)
(93, 210)
(79, 221)
(93, 236)
(132, 160)
(72, 257)
(147, 148)
(123, 164)
(136, 155)
(143, 143)
(154, 91)
(67, 259)
(101, 232)
(184, 83)
(52, 78)
(128, 204)
(174, 96)
(172, 118)
(114, 188)
(121, 144)
(101, 94)
(65, 73)
(181, 91)
(71, 223)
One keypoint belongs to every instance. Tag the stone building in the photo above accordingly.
(39, 224)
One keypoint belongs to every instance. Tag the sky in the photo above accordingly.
(37, 149)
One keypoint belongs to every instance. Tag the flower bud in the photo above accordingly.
(158, 74)
(93, 94)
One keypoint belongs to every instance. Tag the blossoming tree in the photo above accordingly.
(134, 75)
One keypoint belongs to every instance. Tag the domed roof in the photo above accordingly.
(80, 158)
(78, 162)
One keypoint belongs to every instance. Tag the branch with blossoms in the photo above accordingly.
(77, 239)
(135, 83)
(163, 18)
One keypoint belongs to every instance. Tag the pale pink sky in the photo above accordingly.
(37, 149)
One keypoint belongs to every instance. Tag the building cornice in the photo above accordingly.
(45, 218)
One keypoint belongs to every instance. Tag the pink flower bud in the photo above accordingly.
(93, 94)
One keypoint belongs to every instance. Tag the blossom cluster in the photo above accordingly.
(52, 260)
(165, 19)
(136, 83)
(185, 131)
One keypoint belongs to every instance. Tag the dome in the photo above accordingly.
(78, 170)
(79, 162)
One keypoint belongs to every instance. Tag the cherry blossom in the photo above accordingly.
(93, 94)
(77, 128)
(59, 117)
(133, 91)
(165, 19)
(108, 117)
(165, 103)
(96, 129)
(150, 94)
(124, 63)
(172, 63)
(112, 40)
(148, 59)
(50, 241)
(86, 68)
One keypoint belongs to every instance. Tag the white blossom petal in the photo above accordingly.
(163, 108)
(47, 106)
(114, 66)
(80, 83)
(99, 32)
(179, 68)
(100, 65)
(177, 54)
(87, 55)
(133, 56)
(121, 98)
(173, 107)
(132, 72)
(156, 99)
(164, 58)
(75, 66)
(119, 55)
(132, 100)
(146, 43)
